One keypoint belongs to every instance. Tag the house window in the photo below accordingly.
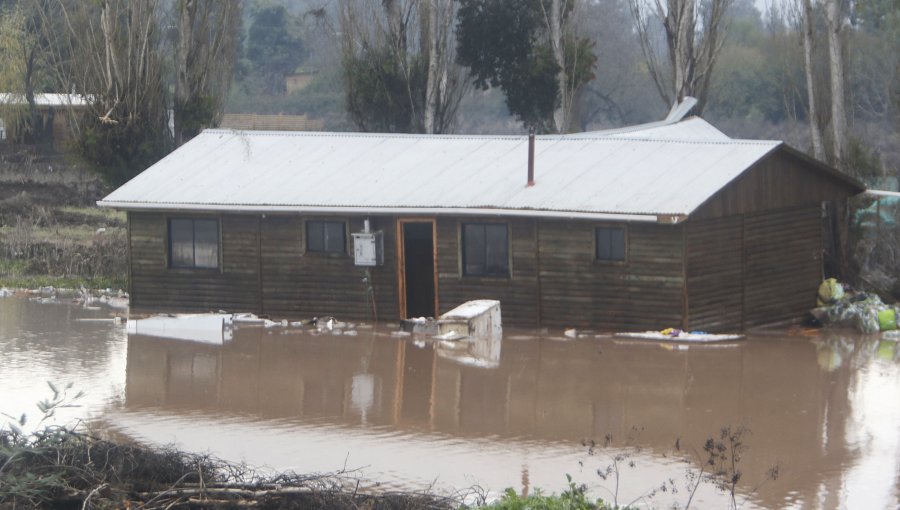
(485, 249)
(194, 243)
(610, 244)
(325, 237)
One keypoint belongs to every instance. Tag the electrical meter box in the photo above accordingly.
(368, 248)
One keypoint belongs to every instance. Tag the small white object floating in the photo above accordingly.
(111, 320)
(681, 337)
(207, 328)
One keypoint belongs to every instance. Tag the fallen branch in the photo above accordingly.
(226, 491)
(91, 494)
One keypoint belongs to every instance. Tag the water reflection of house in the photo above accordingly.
(53, 111)
(542, 390)
(671, 224)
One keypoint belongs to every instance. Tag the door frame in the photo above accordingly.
(401, 263)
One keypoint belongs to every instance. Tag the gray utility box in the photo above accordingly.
(368, 248)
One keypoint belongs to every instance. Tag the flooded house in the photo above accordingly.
(665, 224)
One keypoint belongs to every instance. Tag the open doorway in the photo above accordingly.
(417, 271)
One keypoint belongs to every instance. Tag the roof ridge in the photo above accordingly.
(357, 134)
(572, 137)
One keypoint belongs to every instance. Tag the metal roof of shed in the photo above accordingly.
(663, 172)
(693, 128)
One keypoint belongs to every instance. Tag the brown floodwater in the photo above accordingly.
(407, 412)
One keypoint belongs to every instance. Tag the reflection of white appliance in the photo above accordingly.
(362, 394)
(204, 328)
(474, 352)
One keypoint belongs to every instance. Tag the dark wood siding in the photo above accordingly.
(779, 181)
(234, 286)
(282, 249)
(645, 292)
(517, 294)
(300, 284)
(263, 269)
(715, 273)
(755, 269)
(782, 264)
(746, 270)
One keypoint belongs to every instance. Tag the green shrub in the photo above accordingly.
(573, 498)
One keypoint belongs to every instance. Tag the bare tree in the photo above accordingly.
(555, 21)
(393, 82)
(109, 53)
(815, 128)
(13, 47)
(445, 82)
(836, 22)
(833, 83)
(204, 60)
(693, 39)
(22, 50)
(571, 54)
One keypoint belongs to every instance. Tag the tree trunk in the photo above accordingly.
(396, 25)
(557, 41)
(432, 95)
(835, 18)
(186, 11)
(679, 25)
(814, 127)
(31, 134)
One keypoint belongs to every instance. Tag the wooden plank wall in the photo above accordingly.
(777, 182)
(744, 270)
(262, 257)
(782, 264)
(265, 270)
(755, 269)
(299, 284)
(715, 274)
(644, 293)
(518, 295)
(156, 287)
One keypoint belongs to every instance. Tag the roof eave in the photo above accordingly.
(669, 218)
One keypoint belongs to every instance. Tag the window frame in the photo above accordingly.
(462, 251)
(625, 245)
(170, 262)
(325, 253)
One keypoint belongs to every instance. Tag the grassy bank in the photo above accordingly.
(51, 233)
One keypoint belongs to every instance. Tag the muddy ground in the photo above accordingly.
(51, 232)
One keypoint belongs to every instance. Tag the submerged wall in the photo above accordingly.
(554, 278)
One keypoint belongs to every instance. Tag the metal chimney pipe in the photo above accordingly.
(530, 158)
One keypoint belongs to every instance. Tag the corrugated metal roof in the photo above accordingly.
(693, 128)
(576, 176)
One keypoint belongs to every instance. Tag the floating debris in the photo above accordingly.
(865, 312)
(678, 336)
